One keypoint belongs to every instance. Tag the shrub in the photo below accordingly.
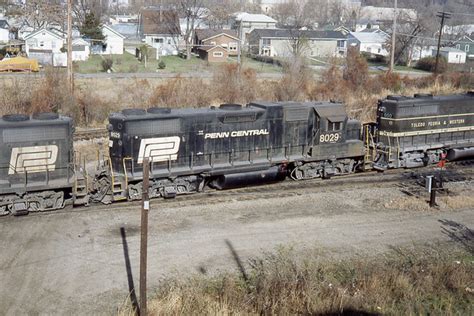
(161, 65)
(429, 64)
(356, 71)
(107, 64)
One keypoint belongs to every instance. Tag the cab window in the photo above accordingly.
(334, 126)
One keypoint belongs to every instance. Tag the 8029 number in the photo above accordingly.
(329, 138)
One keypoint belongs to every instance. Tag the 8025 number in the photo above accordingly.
(329, 138)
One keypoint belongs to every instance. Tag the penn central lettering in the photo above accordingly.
(252, 132)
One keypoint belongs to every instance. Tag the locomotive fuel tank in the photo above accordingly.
(460, 153)
(235, 180)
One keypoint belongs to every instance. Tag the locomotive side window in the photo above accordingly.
(334, 126)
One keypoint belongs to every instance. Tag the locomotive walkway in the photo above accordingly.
(74, 262)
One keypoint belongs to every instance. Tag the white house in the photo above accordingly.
(113, 43)
(161, 30)
(43, 44)
(4, 31)
(245, 23)
(369, 42)
(452, 55)
(282, 42)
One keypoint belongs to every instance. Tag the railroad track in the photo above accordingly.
(90, 133)
(288, 188)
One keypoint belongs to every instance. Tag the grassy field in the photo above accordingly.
(127, 63)
(424, 281)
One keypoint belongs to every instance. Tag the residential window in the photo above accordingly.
(233, 46)
(458, 46)
(341, 44)
(41, 44)
(169, 41)
(466, 48)
(158, 40)
(213, 43)
(218, 54)
(334, 126)
(266, 42)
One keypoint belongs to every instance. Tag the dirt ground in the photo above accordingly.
(85, 261)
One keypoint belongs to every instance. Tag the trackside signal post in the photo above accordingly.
(144, 235)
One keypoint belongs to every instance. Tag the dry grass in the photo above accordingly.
(427, 281)
(94, 99)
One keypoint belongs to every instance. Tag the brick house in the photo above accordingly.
(227, 39)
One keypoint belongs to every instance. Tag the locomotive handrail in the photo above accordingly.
(124, 162)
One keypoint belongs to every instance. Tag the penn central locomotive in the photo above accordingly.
(230, 146)
(224, 147)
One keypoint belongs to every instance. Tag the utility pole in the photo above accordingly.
(70, 74)
(444, 16)
(144, 235)
(394, 29)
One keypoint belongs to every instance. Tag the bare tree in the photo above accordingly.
(82, 8)
(43, 13)
(193, 11)
(294, 14)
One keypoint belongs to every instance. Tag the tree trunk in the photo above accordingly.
(188, 50)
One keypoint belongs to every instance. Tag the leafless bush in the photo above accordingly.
(52, 93)
(356, 71)
(15, 97)
(231, 85)
(295, 83)
(181, 92)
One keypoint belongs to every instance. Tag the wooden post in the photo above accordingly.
(394, 27)
(144, 236)
(443, 15)
(70, 75)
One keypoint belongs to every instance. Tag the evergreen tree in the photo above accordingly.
(91, 28)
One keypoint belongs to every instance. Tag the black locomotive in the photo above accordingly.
(230, 145)
(37, 170)
(421, 130)
(224, 147)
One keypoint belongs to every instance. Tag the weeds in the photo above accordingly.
(402, 282)
(349, 83)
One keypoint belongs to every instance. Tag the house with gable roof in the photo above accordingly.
(281, 42)
(112, 44)
(244, 23)
(159, 27)
(207, 38)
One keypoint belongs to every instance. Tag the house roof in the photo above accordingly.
(152, 22)
(56, 33)
(80, 41)
(249, 17)
(451, 50)
(367, 37)
(286, 33)
(204, 34)
(112, 31)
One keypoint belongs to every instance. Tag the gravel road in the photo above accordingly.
(76, 262)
